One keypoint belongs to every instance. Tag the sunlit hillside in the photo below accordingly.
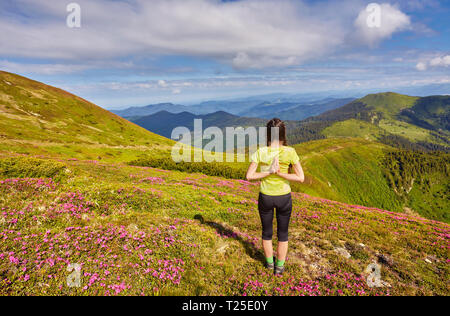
(41, 119)
(364, 172)
(72, 194)
(147, 231)
(394, 119)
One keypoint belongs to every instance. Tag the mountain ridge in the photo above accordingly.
(137, 111)
(252, 108)
(163, 123)
(387, 117)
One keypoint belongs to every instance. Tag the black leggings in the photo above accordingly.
(283, 206)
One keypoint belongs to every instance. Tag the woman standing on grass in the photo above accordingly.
(280, 165)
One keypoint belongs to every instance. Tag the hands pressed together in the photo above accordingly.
(275, 167)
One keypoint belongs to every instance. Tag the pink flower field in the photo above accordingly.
(144, 231)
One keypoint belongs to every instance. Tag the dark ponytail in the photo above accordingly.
(277, 123)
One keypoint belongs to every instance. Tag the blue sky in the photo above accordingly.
(139, 52)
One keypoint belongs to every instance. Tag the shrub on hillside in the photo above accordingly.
(211, 169)
(23, 167)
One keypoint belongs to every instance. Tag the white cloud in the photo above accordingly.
(443, 61)
(421, 66)
(245, 34)
(162, 83)
(41, 69)
(392, 20)
(435, 62)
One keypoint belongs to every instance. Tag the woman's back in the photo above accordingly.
(274, 185)
(275, 196)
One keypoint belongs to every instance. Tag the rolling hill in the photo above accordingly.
(399, 120)
(432, 113)
(366, 172)
(38, 118)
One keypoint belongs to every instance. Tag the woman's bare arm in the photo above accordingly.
(298, 176)
(252, 175)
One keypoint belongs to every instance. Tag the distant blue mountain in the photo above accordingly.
(252, 107)
(308, 110)
(163, 123)
(133, 112)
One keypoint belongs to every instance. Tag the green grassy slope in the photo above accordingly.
(430, 199)
(353, 128)
(387, 117)
(355, 170)
(430, 112)
(388, 103)
(144, 231)
(351, 170)
(347, 170)
(38, 118)
(421, 180)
